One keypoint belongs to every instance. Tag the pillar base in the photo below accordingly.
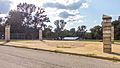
(107, 50)
(7, 40)
(112, 42)
(41, 39)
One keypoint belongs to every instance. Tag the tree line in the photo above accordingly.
(28, 19)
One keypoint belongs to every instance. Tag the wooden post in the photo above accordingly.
(106, 33)
(7, 33)
(40, 34)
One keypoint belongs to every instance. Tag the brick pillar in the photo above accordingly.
(106, 33)
(40, 34)
(7, 33)
(112, 34)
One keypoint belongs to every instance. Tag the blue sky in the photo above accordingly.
(75, 12)
(99, 7)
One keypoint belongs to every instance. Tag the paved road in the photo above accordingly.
(11, 57)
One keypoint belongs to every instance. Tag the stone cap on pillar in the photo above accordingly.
(106, 17)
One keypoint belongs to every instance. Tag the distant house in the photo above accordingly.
(70, 38)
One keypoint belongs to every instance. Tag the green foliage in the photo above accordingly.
(0, 20)
(25, 21)
(96, 32)
(81, 32)
(33, 15)
(15, 19)
(72, 32)
(60, 24)
(116, 25)
(47, 33)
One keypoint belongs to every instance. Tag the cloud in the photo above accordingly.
(67, 9)
(85, 5)
(65, 14)
(4, 6)
(71, 6)
(75, 21)
(75, 18)
(3, 15)
(114, 15)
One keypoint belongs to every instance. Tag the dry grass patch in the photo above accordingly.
(74, 46)
(64, 47)
(65, 43)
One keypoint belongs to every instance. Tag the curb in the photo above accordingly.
(57, 51)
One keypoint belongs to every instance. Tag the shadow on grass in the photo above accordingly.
(117, 43)
(115, 53)
(4, 42)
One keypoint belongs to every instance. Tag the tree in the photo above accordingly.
(65, 33)
(116, 25)
(0, 20)
(81, 32)
(33, 16)
(15, 19)
(96, 32)
(48, 34)
(88, 35)
(60, 24)
(72, 32)
(1, 29)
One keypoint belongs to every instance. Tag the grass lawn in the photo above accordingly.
(91, 40)
(1, 40)
(117, 41)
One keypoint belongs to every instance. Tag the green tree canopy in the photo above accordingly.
(116, 25)
(60, 24)
(96, 32)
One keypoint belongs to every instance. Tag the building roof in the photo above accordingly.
(70, 38)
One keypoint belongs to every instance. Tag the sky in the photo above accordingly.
(74, 12)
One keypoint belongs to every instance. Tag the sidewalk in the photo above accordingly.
(89, 49)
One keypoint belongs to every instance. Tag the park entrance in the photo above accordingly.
(10, 32)
(108, 34)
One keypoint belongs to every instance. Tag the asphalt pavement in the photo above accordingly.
(11, 57)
